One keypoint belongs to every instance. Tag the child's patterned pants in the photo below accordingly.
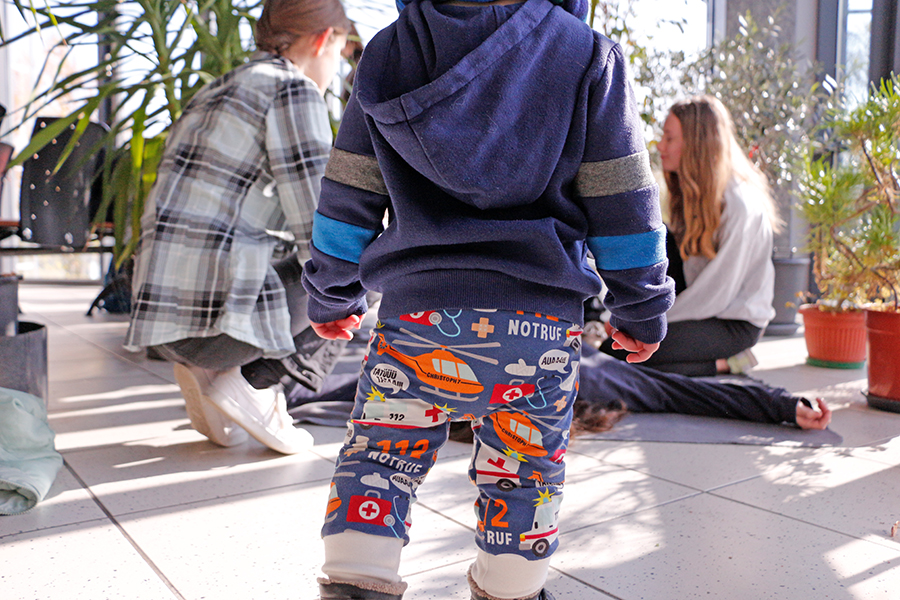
(513, 375)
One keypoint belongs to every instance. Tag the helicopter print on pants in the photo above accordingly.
(513, 375)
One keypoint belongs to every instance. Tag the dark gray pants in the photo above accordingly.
(313, 361)
(692, 347)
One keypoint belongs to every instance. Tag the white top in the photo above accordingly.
(738, 284)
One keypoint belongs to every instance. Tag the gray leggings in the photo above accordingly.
(692, 347)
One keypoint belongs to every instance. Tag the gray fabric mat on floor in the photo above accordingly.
(646, 427)
(668, 427)
(330, 414)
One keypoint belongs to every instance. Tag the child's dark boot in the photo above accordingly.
(480, 594)
(338, 590)
(542, 595)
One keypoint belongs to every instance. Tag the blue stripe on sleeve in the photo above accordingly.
(620, 252)
(339, 239)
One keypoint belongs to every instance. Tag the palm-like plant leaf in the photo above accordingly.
(160, 52)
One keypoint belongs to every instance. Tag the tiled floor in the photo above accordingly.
(145, 507)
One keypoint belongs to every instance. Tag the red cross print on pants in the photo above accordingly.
(507, 393)
(369, 509)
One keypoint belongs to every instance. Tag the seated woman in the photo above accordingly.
(719, 245)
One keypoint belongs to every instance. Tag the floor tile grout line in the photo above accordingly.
(673, 481)
(552, 568)
(201, 500)
(799, 520)
(101, 347)
(124, 533)
(872, 444)
(52, 527)
(738, 482)
(874, 460)
(443, 516)
(715, 491)
(568, 531)
(690, 487)
(585, 583)
(747, 504)
(449, 564)
(712, 493)
(68, 330)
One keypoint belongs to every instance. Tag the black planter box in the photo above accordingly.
(9, 304)
(23, 360)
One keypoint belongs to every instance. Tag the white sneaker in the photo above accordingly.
(742, 362)
(263, 413)
(205, 417)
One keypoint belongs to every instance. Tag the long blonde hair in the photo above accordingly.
(710, 157)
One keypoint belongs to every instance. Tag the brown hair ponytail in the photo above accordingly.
(284, 21)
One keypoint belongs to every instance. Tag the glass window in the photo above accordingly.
(448, 367)
(536, 438)
(465, 371)
(857, 40)
(520, 429)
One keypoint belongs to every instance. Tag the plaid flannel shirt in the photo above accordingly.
(241, 174)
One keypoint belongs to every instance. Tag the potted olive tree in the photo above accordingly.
(775, 100)
(851, 200)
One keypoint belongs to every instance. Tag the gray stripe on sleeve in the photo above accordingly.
(356, 170)
(617, 176)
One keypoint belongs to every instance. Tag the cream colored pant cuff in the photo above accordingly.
(353, 556)
(509, 575)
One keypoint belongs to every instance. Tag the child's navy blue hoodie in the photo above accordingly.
(500, 143)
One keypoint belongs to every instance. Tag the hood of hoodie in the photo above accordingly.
(479, 100)
(579, 8)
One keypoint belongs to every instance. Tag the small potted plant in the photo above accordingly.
(851, 200)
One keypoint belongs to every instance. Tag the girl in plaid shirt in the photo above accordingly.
(237, 185)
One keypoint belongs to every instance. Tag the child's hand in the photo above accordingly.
(810, 418)
(640, 351)
(338, 330)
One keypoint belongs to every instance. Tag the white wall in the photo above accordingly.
(6, 99)
(805, 28)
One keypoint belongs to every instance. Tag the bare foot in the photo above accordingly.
(810, 418)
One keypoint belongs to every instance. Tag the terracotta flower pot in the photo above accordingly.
(884, 359)
(836, 340)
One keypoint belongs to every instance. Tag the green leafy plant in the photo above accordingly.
(851, 200)
(773, 95)
(158, 53)
(652, 68)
